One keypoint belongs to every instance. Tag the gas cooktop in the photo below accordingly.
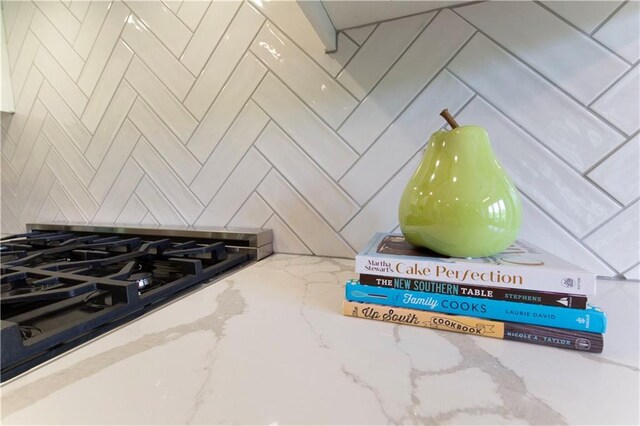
(62, 285)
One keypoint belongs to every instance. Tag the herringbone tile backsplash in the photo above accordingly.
(231, 114)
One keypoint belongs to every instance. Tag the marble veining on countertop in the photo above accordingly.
(268, 345)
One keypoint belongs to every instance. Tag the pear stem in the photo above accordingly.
(452, 122)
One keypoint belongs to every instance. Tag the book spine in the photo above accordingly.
(559, 300)
(501, 276)
(548, 336)
(590, 319)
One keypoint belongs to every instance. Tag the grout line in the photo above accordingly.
(629, 269)
(231, 74)
(314, 113)
(226, 179)
(522, 128)
(162, 157)
(609, 87)
(252, 191)
(280, 126)
(28, 116)
(282, 220)
(199, 74)
(604, 22)
(419, 92)
(548, 81)
(7, 41)
(94, 40)
(113, 48)
(391, 66)
(224, 134)
(106, 154)
(613, 151)
(572, 25)
(569, 233)
(610, 218)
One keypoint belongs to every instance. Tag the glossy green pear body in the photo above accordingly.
(460, 202)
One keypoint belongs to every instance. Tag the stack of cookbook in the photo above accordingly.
(523, 294)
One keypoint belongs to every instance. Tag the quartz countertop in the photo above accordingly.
(268, 345)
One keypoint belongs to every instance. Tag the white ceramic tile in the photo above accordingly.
(149, 220)
(223, 60)
(24, 103)
(317, 188)
(617, 242)
(284, 240)
(19, 31)
(64, 85)
(69, 211)
(315, 87)
(7, 146)
(120, 192)
(161, 100)
(81, 167)
(71, 184)
(10, 202)
(226, 107)
(578, 65)
(422, 61)
(103, 46)
(110, 123)
(163, 64)
(633, 273)
(538, 228)
(173, 5)
(163, 23)
(302, 125)
(234, 192)
(37, 196)
(79, 8)
(301, 217)
(169, 183)
(383, 47)
(91, 25)
(405, 137)
(620, 103)
(48, 211)
(360, 34)
(64, 116)
(114, 160)
(574, 202)
(555, 120)
(23, 64)
(620, 33)
(8, 173)
(229, 152)
(28, 138)
(619, 174)
(191, 12)
(61, 18)
(289, 17)
(32, 168)
(252, 214)
(56, 44)
(161, 138)
(205, 39)
(381, 213)
(132, 212)
(107, 85)
(586, 15)
(60, 218)
(10, 11)
(156, 202)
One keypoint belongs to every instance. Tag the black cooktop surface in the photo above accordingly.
(59, 289)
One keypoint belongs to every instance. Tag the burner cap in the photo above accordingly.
(143, 279)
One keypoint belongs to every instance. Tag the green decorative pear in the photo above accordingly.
(460, 202)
